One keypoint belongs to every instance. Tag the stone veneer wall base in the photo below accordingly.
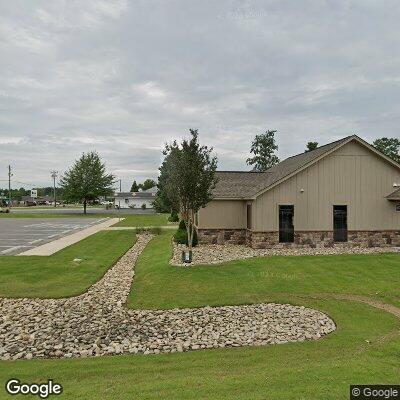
(265, 240)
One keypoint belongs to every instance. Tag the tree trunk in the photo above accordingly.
(84, 206)
(189, 228)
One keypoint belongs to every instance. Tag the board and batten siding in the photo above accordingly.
(352, 176)
(223, 214)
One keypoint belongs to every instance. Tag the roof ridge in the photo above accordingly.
(320, 147)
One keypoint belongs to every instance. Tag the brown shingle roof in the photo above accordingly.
(245, 185)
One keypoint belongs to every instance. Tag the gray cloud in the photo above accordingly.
(123, 77)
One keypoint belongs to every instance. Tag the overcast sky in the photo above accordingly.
(123, 77)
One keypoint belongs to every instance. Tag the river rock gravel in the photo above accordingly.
(219, 253)
(97, 322)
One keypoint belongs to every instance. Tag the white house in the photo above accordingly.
(135, 199)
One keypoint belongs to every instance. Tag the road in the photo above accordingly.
(20, 234)
(74, 211)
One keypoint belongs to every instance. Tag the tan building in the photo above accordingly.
(343, 192)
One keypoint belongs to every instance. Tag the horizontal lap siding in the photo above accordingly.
(351, 175)
(223, 214)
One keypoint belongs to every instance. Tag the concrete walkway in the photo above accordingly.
(50, 248)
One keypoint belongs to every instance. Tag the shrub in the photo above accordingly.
(180, 237)
(182, 225)
(155, 230)
(143, 206)
(173, 217)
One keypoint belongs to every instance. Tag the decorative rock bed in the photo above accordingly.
(216, 253)
(97, 323)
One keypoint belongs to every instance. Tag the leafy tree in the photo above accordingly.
(147, 184)
(86, 180)
(389, 147)
(311, 146)
(134, 187)
(263, 148)
(191, 178)
(166, 199)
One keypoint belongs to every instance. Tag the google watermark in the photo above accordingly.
(42, 390)
(375, 392)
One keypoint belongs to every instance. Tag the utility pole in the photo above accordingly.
(54, 176)
(120, 185)
(9, 185)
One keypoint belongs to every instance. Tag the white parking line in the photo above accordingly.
(11, 249)
(35, 241)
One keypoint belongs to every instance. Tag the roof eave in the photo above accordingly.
(314, 161)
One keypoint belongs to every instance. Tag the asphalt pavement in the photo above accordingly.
(20, 234)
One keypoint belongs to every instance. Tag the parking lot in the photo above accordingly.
(20, 234)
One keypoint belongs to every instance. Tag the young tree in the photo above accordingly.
(134, 187)
(311, 146)
(263, 148)
(148, 184)
(389, 147)
(166, 200)
(191, 177)
(87, 180)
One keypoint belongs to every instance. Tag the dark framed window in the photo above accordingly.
(340, 223)
(286, 226)
(248, 214)
(397, 207)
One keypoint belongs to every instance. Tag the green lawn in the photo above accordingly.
(364, 349)
(158, 285)
(58, 275)
(144, 220)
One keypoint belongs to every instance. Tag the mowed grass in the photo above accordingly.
(365, 348)
(58, 275)
(143, 220)
(159, 285)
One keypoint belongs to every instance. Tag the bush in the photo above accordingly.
(182, 225)
(143, 206)
(173, 217)
(180, 236)
(155, 230)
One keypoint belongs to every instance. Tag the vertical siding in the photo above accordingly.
(351, 176)
(223, 214)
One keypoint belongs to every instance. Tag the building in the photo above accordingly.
(36, 201)
(142, 199)
(345, 192)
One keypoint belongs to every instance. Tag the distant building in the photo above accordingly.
(36, 201)
(135, 199)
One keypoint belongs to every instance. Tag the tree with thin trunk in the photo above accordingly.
(263, 148)
(311, 146)
(191, 178)
(134, 187)
(147, 184)
(388, 146)
(86, 180)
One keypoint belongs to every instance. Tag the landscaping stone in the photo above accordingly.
(216, 254)
(97, 323)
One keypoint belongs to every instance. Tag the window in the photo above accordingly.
(248, 210)
(340, 223)
(397, 207)
(126, 201)
(286, 226)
